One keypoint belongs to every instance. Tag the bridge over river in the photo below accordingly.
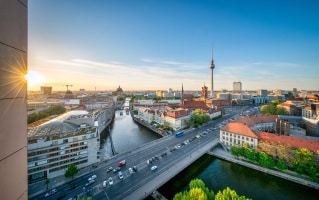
(171, 155)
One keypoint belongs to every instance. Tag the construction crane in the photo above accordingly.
(67, 87)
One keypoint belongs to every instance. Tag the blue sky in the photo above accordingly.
(162, 44)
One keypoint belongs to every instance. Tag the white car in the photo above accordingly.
(153, 167)
(53, 191)
(93, 177)
(104, 183)
(110, 181)
(130, 170)
(121, 175)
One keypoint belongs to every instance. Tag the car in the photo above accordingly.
(135, 168)
(109, 169)
(122, 163)
(153, 167)
(94, 176)
(104, 183)
(116, 169)
(52, 192)
(90, 182)
(120, 175)
(110, 181)
(130, 170)
(73, 186)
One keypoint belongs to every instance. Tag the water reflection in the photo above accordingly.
(125, 134)
(219, 174)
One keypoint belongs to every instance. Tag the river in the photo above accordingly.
(217, 174)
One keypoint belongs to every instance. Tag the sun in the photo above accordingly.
(34, 78)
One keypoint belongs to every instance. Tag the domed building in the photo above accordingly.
(118, 92)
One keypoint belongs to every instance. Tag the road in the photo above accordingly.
(165, 152)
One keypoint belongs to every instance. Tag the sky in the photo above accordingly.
(162, 44)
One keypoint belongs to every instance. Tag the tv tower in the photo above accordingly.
(212, 66)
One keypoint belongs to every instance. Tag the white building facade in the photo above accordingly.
(53, 146)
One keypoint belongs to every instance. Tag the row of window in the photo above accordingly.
(232, 144)
(235, 135)
(66, 166)
(66, 154)
(54, 149)
(51, 166)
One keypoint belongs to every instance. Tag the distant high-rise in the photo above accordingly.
(262, 92)
(237, 87)
(47, 90)
(212, 67)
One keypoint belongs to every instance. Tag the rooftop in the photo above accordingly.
(67, 123)
(312, 145)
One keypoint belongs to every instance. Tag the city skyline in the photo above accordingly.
(164, 44)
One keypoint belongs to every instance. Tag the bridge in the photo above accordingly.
(171, 155)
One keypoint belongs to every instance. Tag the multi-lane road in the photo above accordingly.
(164, 153)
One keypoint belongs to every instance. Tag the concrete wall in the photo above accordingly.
(13, 99)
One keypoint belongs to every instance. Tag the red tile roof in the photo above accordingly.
(239, 128)
(177, 113)
(312, 145)
(195, 104)
(251, 120)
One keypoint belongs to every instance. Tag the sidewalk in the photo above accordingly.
(220, 153)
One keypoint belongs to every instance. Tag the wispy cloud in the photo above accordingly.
(162, 73)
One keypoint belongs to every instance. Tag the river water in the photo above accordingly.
(217, 174)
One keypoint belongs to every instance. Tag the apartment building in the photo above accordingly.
(54, 145)
(235, 133)
(243, 130)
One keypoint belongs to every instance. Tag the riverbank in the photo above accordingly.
(221, 154)
(148, 126)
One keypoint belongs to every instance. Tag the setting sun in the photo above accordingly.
(33, 78)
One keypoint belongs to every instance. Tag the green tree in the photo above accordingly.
(46, 182)
(275, 102)
(236, 150)
(266, 160)
(198, 118)
(197, 193)
(303, 160)
(273, 109)
(71, 171)
(53, 110)
(281, 164)
(249, 153)
(198, 190)
(229, 194)
(198, 183)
